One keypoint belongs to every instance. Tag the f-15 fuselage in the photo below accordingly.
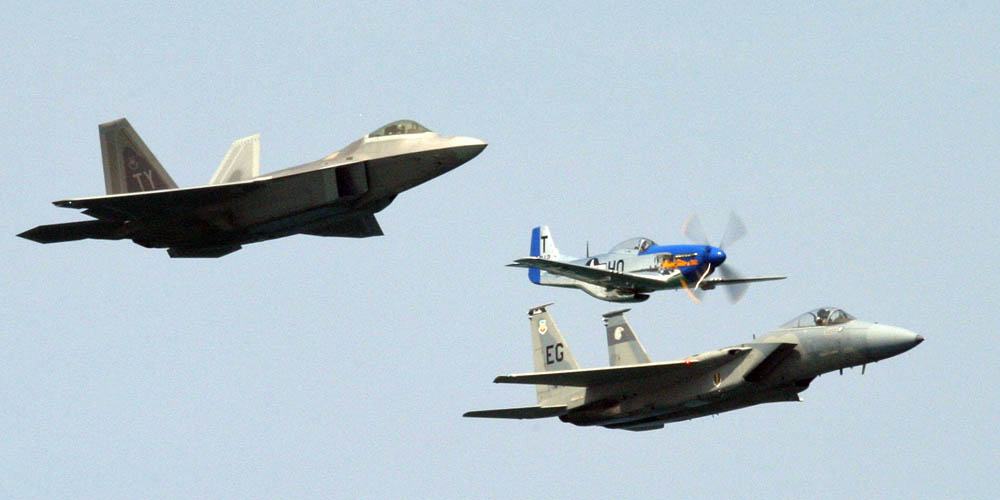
(637, 394)
(774, 368)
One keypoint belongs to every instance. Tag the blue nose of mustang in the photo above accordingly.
(716, 256)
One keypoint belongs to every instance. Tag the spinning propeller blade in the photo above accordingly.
(693, 230)
(734, 231)
(735, 291)
(694, 294)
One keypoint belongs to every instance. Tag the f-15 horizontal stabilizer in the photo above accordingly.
(520, 413)
(241, 163)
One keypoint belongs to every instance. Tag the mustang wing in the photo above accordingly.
(711, 282)
(667, 372)
(600, 276)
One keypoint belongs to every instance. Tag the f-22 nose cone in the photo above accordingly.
(466, 148)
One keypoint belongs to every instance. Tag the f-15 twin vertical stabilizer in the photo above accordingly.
(551, 353)
(624, 347)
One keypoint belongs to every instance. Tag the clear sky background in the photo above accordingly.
(858, 142)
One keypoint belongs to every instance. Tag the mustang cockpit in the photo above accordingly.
(637, 245)
(824, 316)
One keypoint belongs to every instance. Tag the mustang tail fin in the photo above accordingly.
(542, 246)
(129, 165)
(241, 163)
(551, 353)
(624, 347)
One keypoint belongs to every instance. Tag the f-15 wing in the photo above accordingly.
(667, 372)
(645, 282)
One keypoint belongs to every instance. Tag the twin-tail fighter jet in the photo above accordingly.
(638, 395)
(636, 267)
(338, 195)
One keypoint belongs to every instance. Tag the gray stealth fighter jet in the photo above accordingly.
(335, 196)
(638, 395)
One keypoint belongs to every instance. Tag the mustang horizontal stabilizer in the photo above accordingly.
(598, 275)
(520, 413)
(667, 372)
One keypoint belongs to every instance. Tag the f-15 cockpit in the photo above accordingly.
(824, 316)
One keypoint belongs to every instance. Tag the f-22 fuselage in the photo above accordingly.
(334, 196)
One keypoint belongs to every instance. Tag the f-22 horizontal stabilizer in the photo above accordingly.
(520, 413)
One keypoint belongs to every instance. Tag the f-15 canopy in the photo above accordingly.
(401, 127)
(824, 316)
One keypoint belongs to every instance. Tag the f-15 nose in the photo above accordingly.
(886, 341)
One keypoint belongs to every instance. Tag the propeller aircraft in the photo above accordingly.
(636, 267)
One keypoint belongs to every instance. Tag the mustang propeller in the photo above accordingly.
(735, 230)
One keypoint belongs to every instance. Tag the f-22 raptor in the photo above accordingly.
(337, 195)
(636, 394)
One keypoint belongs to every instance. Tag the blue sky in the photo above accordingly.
(857, 141)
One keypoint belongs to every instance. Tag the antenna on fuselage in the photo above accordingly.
(588, 249)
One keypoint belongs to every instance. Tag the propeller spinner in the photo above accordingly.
(735, 230)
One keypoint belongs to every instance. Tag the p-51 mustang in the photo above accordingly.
(636, 267)
(638, 395)
(338, 195)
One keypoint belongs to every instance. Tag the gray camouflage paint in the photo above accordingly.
(334, 196)
(773, 368)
